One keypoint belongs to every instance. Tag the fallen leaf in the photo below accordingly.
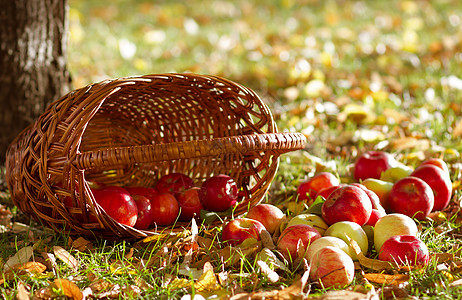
(343, 295)
(374, 264)
(387, 279)
(457, 130)
(207, 282)
(456, 283)
(66, 257)
(69, 288)
(82, 244)
(22, 256)
(270, 274)
(5, 216)
(30, 267)
(406, 143)
(22, 293)
(50, 261)
(267, 240)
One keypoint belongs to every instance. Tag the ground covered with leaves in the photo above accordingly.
(350, 75)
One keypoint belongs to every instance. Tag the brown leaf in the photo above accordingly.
(405, 143)
(267, 240)
(50, 261)
(31, 267)
(343, 295)
(5, 216)
(66, 257)
(69, 288)
(22, 256)
(374, 264)
(387, 279)
(22, 294)
(457, 130)
(82, 244)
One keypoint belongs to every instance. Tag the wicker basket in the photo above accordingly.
(130, 131)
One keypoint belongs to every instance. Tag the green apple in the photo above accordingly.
(310, 219)
(391, 225)
(396, 173)
(324, 242)
(381, 188)
(347, 230)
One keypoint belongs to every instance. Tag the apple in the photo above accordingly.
(437, 162)
(142, 191)
(296, 238)
(371, 164)
(324, 242)
(349, 203)
(375, 200)
(218, 193)
(332, 267)
(174, 183)
(381, 189)
(165, 208)
(439, 182)
(411, 196)
(269, 215)
(391, 225)
(396, 173)
(118, 204)
(190, 204)
(346, 230)
(309, 219)
(405, 250)
(375, 216)
(307, 190)
(238, 230)
(145, 212)
(327, 191)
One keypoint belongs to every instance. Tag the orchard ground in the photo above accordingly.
(352, 76)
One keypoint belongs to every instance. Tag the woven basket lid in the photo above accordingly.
(130, 132)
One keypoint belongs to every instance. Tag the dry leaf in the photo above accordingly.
(22, 294)
(456, 283)
(207, 282)
(343, 295)
(267, 240)
(457, 130)
(374, 264)
(22, 256)
(406, 143)
(82, 244)
(66, 257)
(387, 279)
(69, 289)
(270, 274)
(50, 261)
(31, 267)
(5, 216)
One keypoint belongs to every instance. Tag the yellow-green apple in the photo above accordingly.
(412, 197)
(117, 203)
(405, 250)
(391, 225)
(308, 189)
(439, 182)
(269, 215)
(437, 162)
(309, 219)
(396, 173)
(165, 208)
(324, 242)
(347, 230)
(174, 183)
(296, 239)
(218, 193)
(381, 189)
(190, 204)
(349, 203)
(238, 230)
(332, 267)
(371, 164)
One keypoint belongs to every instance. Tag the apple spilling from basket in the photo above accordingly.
(174, 197)
(378, 212)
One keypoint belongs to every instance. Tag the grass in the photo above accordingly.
(350, 75)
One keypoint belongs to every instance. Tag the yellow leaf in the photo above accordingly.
(69, 289)
(387, 279)
(207, 282)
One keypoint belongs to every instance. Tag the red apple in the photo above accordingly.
(327, 191)
(118, 204)
(142, 191)
(174, 183)
(307, 190)
(405, 250)
(371, 164)
(437, 162)
(375, 216)
(349, 203)
(190, 204)
(412, 197)
(391, 225)
(296, 239)
(375, 200)
(439, 182)
(269, 215)
(145, 212)
(218, 193)
(165, 208)
(332, 267)
(238, 230)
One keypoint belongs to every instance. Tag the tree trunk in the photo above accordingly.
(33, 73)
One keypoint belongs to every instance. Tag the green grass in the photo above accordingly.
(389, 60)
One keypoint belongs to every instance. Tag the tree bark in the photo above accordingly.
(33, 71)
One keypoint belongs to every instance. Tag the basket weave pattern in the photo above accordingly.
(130, 132)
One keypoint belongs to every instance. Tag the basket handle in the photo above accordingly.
(277, 142)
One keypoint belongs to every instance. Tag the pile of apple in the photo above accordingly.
(174, 197)
(377, 211)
